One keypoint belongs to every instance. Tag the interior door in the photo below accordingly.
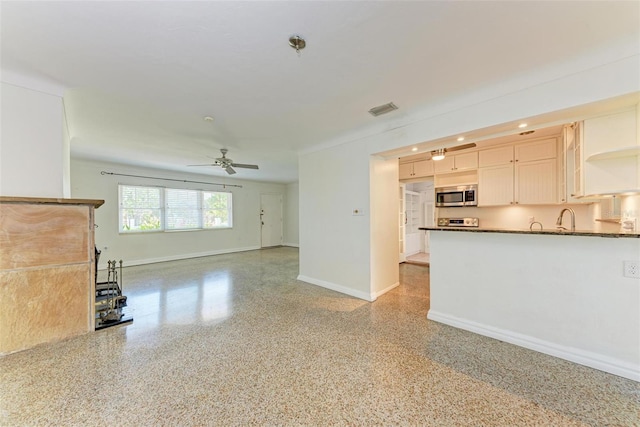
(271, 220)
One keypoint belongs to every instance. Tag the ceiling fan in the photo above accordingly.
(226, 163)
(439, 153)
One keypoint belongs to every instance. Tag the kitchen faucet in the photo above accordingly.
(573, 219)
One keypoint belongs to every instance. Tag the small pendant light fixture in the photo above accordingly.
(297, 43)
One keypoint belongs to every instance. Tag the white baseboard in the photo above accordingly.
(293, 245)
(130, 263)
(338, 288)
(581, 357)
(385, 290)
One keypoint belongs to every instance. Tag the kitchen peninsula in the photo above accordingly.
(560, 293)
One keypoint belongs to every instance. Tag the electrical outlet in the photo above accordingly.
(631, 269)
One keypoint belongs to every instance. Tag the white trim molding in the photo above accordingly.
(385, 290)
(338, 288)
(582, 357)
(131, 263)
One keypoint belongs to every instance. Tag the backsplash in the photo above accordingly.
(518, 217)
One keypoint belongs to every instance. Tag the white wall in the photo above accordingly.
(561, 295)
(385, 237)
(291, 215)
(334, 243)
(140, 248)
(32, 149)
(332, 179)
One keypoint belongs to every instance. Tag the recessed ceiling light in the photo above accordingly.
(522, 125)
(460, 138)
(414, 149)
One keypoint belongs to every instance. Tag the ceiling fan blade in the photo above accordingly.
(241, 165)
(208, 164)
(230, 170)
(461, 147)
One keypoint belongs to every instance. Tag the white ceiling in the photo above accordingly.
(140, 76)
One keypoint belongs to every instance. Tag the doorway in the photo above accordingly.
(270, 220)
(419, 202)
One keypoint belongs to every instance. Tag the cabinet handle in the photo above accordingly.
(510, 161)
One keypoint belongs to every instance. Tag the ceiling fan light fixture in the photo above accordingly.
(438, 154)
(298, 43)
(227, 164)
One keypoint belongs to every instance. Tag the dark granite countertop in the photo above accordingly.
(526, 231)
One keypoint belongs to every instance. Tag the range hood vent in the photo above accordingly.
(382, 109)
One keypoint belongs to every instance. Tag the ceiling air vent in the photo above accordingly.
(382, 109)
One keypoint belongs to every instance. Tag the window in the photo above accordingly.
(183, 209)
(140, 208)
(145, 209)
(216, 208)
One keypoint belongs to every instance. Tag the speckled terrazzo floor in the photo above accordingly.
(236, 340)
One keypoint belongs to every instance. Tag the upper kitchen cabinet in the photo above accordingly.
(537, 150)
(524, 173)
(458, 162)
(416, 169)
(607, 155)
(495, 156)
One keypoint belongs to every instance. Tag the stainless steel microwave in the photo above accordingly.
(462, 195)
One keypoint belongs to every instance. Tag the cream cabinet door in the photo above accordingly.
(537, 150)
(495, 156)
(495, 185)
(422, 168)
(445, 165)
(536, 182)
(405, 170)
(466, 161)
(456, 163)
